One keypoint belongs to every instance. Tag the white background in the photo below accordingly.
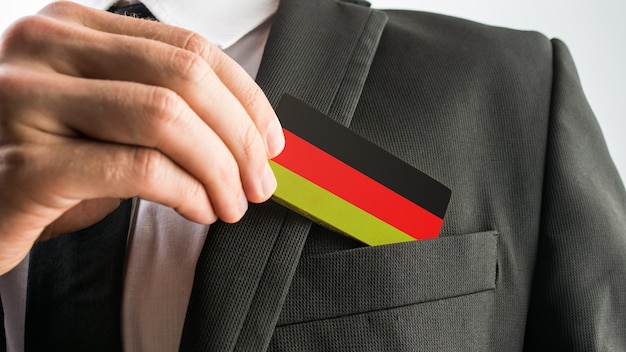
(595, 32)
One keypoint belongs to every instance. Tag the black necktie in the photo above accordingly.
(138, 10)
(3, 339)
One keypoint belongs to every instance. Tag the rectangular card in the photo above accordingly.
(339, 179)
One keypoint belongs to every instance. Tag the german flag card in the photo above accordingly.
(341, 180)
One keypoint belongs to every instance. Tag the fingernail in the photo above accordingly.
(243, 202)
(269, 181)
(275, 139)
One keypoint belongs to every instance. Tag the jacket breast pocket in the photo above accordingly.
(432, 295)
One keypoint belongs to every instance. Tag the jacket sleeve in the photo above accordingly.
(578, 299)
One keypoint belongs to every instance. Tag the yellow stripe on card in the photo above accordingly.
(315, 203)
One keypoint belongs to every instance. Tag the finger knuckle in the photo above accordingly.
(194, 190)
(13, 161)
(253, 98)
(227, 174)
(165, 109)
(189, 66)
(22, 93)
(14, 157)
(198, 45)
(250, 142)
(9, 84)
(24, 32)
(59, 8)
(147, 164)
(15, 105)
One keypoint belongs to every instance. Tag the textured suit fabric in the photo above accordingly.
(532, 253)
(499, 117)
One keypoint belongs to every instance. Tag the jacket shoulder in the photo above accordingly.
(473, 41)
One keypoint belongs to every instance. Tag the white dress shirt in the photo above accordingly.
(163, 247)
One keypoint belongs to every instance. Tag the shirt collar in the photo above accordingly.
(222, 22)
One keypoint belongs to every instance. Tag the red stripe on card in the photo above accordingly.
(321, 168)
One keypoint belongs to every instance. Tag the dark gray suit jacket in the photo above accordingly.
(532, 254)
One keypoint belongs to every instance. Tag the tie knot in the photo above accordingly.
(137, 10)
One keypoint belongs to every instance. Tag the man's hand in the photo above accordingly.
(97, 107)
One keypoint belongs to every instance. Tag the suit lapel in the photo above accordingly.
(319, 52)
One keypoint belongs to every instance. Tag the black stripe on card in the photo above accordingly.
(363, 155)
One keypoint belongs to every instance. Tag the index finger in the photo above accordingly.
(238, 82)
